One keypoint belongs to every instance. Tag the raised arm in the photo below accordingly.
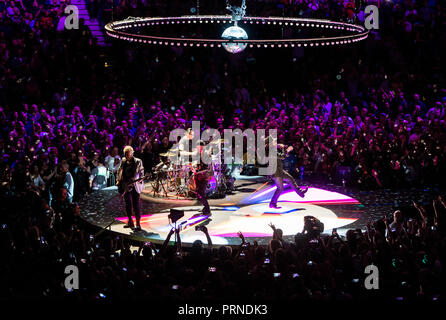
(436, 220)
(177, 231)
(369, 232)
(243, 244)
(166, 242)
(336, 235)
(375, 175)
(48, 177)
(274, 230)
(440, 199)
(242, 237)
(422, 212)
(208, 238)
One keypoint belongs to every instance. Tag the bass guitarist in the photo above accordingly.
(131, 169)
(201, 178)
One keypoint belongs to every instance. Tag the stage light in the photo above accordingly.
(235, 33)
(175, 215)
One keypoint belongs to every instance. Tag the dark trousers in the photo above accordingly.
(132, 204)
(278, 180)
(201, 185)
(111, 179)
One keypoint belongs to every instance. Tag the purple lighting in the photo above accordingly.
(314, 195)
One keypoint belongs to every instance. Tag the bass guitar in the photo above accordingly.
(124, 187)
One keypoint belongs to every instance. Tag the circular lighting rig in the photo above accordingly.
(147, 31)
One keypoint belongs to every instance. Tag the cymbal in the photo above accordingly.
(217, 141)
(168, 154)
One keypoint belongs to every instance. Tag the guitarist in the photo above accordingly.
(201, 178)
(131, 168)
(281, 174)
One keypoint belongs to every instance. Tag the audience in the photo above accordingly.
(409, 254)
(67, 109)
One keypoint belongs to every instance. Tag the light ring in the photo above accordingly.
(119, 30)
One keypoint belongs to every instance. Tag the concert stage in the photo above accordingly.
(245, 210)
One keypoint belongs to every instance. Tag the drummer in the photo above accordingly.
(186, 147)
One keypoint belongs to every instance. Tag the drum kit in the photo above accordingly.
(179, 178)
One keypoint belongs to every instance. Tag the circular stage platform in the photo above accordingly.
(245, 210)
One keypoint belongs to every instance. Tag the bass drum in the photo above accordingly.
(211, 186)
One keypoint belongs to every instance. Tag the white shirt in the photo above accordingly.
(110, 163)
(38, 181)
(185, 146)
(99, 177)
(69, 185)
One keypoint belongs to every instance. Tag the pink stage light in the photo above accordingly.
(313, 195)
(157, 219)
(246, 234)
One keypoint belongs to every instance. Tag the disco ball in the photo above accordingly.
(234, 33)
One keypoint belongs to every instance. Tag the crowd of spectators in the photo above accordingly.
(377, 121)
(40, 60)
(408, 252)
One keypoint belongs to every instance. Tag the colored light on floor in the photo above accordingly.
(252, 219)
(313, 195)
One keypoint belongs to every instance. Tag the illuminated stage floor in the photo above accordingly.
(245, 210)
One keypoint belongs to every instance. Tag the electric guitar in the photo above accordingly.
(123, 187)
